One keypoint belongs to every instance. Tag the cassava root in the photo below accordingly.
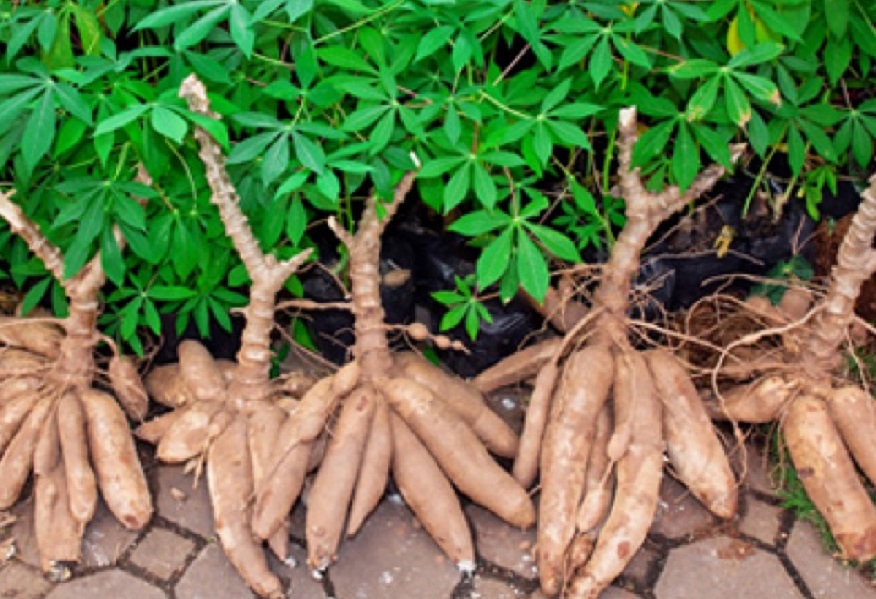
(74, 439)
(601, 413)
(825, 429)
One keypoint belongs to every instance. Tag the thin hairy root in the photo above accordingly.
(429, 494)
(459, 452)
(517, 367)
(639, 473)
(333, 487)
(756, 403)
(128, 387)
(854, 412)
(565, 452)
(229, 476)
(697, 455)
(374, 470)
(81, 483)
(526, 463)
(17, 461)
(114, 455)
(829, 476)
(165, 385)
(468, 403)
(599, 484)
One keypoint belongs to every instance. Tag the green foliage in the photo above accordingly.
(510, 105)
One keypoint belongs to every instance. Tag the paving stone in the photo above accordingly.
(105, 539)
(724, 568)
(679, 514)
(758, 469)
(19, 581)
(107, 584)
(211, 576)
(761, 521)
(639, 567)
(490, 588)
(826, 577)
(392, 556)
(162, 553)
(177, 501)
(502, 544)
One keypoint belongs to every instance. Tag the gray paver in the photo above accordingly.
(177, 501)
(502, 544)
(826, 577)
(211, 576)
(724, 568)
(490, 588)
(162, 553)
(20, 581)
(638, 568)
(392, 557)
(679, 514)
(757, 470)
(104, 585)
(761, 521)
(105, 539)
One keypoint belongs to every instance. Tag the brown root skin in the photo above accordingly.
(525, 467)
(460, 454)
(517, 367)
(114, 456)
(828, 474)
(566, 448)
(336, 478)
(599, 483)
(854, 413)
(165, 386)
(429, 494)
(756, 403)
(374, 471)
(128, 387)
(639, 473)
(466, 401)
(695, 452)
(229, 477)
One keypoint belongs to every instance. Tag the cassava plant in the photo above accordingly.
(601, 412)
(228, 415)
(390, 419)
(826, 422)
(73, 437)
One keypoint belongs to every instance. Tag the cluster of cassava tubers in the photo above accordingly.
(601, 416)
(601, 413)
(74, 438)
(822, 422)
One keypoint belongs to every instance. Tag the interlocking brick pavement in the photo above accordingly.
(764, 553)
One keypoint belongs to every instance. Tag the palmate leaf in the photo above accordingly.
(40, 131)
